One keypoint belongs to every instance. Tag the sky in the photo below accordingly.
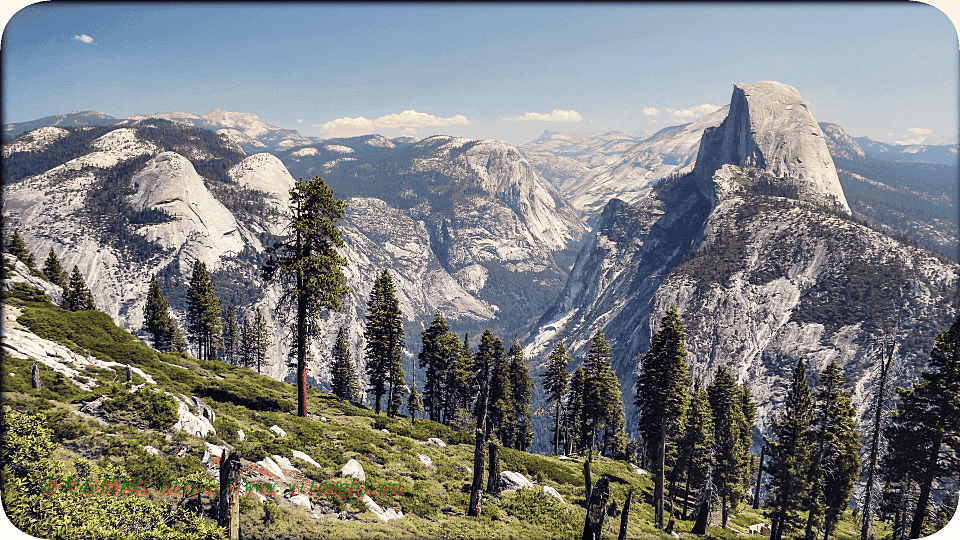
(507, 72)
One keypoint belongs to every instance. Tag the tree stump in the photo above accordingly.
(35, 371)
(596, 509)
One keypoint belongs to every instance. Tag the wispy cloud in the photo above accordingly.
(917, 140)
(693, 112)
(347, 126)
(84, 38)
(299, 120)
(558, 115)
(920, 131)
(414, 119)
(651, 111)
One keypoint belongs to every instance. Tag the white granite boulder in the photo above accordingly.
(510, 481)
(272, 467)
(191, 423)
(425, 460)
(278, 431)
(353, 469)
(553, 493)
(241, 436)
(385, 515)
(305, 457)
(436, 441)
(303, 500)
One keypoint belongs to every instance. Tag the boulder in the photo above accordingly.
(305, 457)
(323, 418)
(284, 463)
(214, 449)
(510, 481)
(553, 493)
(354, 469)
(302, 500)
(436, 441)
(151, 450)
(272, 467)
(278, 431)
(638, 470)
(191, 423)
(425, 460)
(385, 431)
(241, 436)
(385, 515)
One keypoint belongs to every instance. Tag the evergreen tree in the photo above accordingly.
(53, 271)
(246, 346)
(459, 381)
(576, 441)
(731, 450)
(343, 382)
(157, 321)
(555, 385)
(77, 297)
(385, 343)
(835, 459)
(790, 454)
(602, 403)
(696, 448)
(18, 248)
(662, 399)
(440, 351)
(521, 388)
(924, 428)
(261, 339)
(414, 402)
(308, 268)
(489, 354)
(500, 419)
(203, 313)
(231, 335)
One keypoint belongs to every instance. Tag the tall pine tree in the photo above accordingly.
(231, 335)
(662, 399)
(574, 432)
(53, 271)
(730, 450)
(555, 385)
(157, 321)
(696, 448)
(18, 248)
(789, 454)
(261, 339)
(203, 313)
(385, 343)
(440, 350)
(308, 268)
(77, 297)
(343, 382)
(521, 389)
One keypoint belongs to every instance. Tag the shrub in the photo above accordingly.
(535, 508)
(145, 406)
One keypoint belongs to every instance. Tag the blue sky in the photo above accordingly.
(504, 72)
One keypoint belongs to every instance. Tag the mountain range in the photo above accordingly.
(775, 237)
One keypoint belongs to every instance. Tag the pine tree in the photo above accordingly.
(77, 297)
(53, 271)
(231, 335)
(835, 459)
(662, 399)
(790, 454)
(696, 448)
(414, 401)
(459, 383)
(261, 339)
(555, 385)
(602, 404)
(440, 351)
(489, 354)
(246, 346)
(343, 382)
(576, 441)
(18, 248)
(385, 343)
(203, 313)
(157, 321)
(924, 427)
(521, 389)
(500, 419)
(308, 268)
(730, 451)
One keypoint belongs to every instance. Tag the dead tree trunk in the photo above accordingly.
(228, 507)
(756, 493)
(865, 532)
(493, 470)
(35, 371)
(624, 516)
(596, 510)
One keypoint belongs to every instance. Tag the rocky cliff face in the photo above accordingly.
(762, 262)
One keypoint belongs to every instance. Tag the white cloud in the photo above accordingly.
(84, 38)
(650, 111)
(918, 140)
(558, 115)
(409, 132)
(299, 120)
(920, 131)
(414, 119)
(692, 112)
(347, 126)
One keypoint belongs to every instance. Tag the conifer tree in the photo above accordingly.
(203, 313)
(414, 401)
(308, 268)
(246, 346)
(157, 321)
(731, 449)
(789, 454)
(459, 381)
(440, 350)
(835, 459)
(261, 339)
(77, 297)
(602, 404)
(231, 335)
(662, 399)
(555, 385)
(489, 354)
(924, 428)
(576, 441)
(53, 271)
(500, 419)
(696, 448)
(343, 382)
(385, 343)
(18, 248)
(521, 389)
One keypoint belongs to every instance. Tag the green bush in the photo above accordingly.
(145, 406)
(534, 507)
